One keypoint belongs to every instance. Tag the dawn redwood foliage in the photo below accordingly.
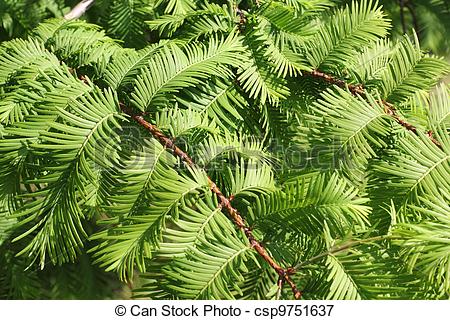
(225, 150)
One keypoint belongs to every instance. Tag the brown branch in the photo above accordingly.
(224, 202)
(358, 89)
(280, 283)
(354, 89)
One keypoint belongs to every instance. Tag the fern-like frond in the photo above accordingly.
(281, 33)
(256, 76)
(157, 195)
(426, 244)
(19, 55)
(47, 29)
(302, 6)
(13, 110)
(174, 69)
(219, 263)
(195, 221)
(186, 124)
(210, 18)
(214, 149)
(201, 239)
(246, 140)
(128, 63)
(410, 72)
(285, 26)
(176, 6)
(126, 20)
(357, 272)
(218, 100)
(419, 167)
(439, 107)
(350, 129)
(73, 144)
(82, 46)
(250, 178)
(307, 203)
(259, 284)
(369, 65)
(341, 37)
(360, 274)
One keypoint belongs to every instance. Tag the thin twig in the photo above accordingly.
(225, 203)
(358, 89)
(280, 283)
(79, 9)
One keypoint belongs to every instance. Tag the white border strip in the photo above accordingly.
(221, 310)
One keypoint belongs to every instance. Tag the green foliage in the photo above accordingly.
(345, 32)
(331, 141)
(426, 245)
(428, 18)
(19, 17)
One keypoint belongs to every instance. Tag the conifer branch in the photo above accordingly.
(224, 202)
(358, 89)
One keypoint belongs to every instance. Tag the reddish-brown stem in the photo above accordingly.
(354, 89)
(358, 89)
(224, 202)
